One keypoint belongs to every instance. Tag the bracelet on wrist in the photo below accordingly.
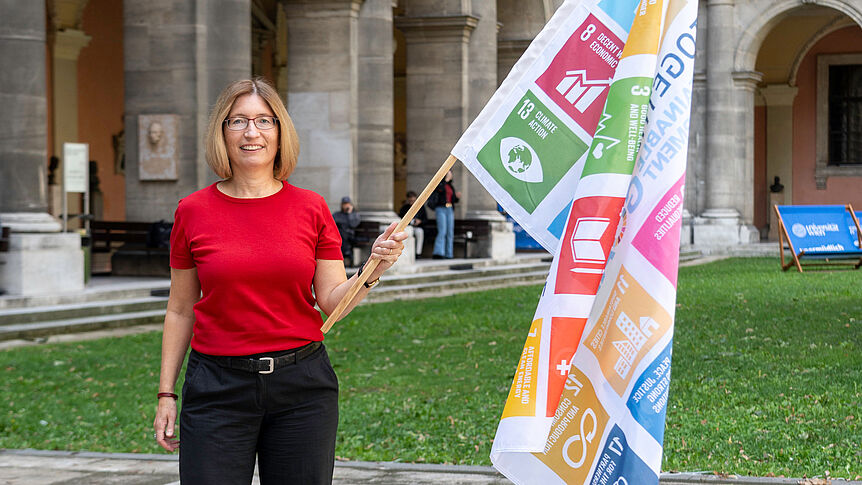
(167, 394)
(367, 284)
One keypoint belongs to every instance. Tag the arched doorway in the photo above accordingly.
(794, 48)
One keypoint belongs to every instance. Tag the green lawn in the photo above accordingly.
(767, 377)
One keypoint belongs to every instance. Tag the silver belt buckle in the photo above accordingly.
(271, 365)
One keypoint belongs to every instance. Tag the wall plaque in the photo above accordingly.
(157, 147)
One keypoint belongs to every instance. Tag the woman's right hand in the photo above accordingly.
(164, 424)
(179, 322)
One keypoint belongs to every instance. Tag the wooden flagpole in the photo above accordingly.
(372, 263)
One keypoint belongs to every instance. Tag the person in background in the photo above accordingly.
(445, 197)
(252, 259)
(417, 222)
(346, 220)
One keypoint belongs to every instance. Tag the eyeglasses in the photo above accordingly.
(239, 123)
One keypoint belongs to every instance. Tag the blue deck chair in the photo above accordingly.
(819, 235)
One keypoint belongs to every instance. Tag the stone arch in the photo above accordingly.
(838, 24)
(756, 31)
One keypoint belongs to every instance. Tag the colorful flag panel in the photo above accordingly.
(585, 145)
(528, 145)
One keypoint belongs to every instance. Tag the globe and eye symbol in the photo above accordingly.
(520, 160)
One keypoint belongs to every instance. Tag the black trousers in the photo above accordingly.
(288, 419)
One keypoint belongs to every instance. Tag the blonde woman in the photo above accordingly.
(251, 255)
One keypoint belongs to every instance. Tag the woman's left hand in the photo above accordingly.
(387, 248)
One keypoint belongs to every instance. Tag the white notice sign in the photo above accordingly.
(75, 164)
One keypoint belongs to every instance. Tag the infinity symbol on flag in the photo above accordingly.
(584, 438)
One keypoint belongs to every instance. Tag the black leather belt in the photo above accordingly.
(266, 365)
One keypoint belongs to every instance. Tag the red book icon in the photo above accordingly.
(587, 246)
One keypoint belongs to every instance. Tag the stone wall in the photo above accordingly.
(178, 56)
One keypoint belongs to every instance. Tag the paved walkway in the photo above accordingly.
(32, 467)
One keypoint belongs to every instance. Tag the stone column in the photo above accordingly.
(696, 164)
(375, 110)
(746, 83)
(520, 22)
(437, 90)
(322, 64)
(476, 202)
(719, 222)
(695, 175)
(178, 56)
(375, 106)
(331, 109)
(41, 260)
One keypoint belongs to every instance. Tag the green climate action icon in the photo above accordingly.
(520, 160)
(531, 152)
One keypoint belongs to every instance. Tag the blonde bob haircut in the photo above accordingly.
(288, 142)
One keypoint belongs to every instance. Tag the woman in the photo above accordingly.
(446, 197)
(250, 257)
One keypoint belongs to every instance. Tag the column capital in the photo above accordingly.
(68, 44)
(747, 80)
(66, 14)
(450, 28)
(779, 94)
(720, 3)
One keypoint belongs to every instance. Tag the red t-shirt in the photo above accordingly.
(450, 193)
(255, 260)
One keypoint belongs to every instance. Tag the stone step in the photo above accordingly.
(460, 271)
(11, 316)
(41, 329)
(441, 288)
(433, 265)
(687, 255)
(118, 288)
(40, 321)
(107, 289)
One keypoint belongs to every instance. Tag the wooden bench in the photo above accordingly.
(108, 236)
(131, 255)
(467, 231)
(365, 234)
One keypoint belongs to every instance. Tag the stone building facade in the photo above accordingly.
(762, 109)
(379, 91)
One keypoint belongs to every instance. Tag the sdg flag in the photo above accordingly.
(529, 144)
(587, 403)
